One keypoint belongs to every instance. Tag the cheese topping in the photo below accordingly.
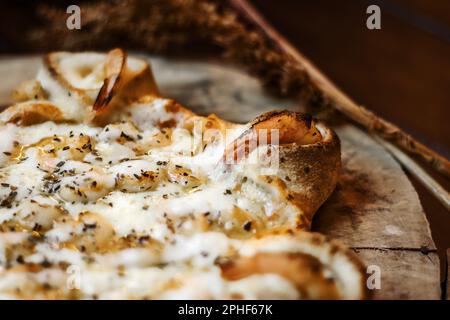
(136, 208)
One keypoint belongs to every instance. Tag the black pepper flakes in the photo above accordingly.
(45, 263)
(46, 286)
(89, 226)
(143, 239)
(20, 259)
(204, 254)
(125, 136)
(248, 226)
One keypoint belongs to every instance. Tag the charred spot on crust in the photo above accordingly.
(171, 123)
(302, 117)
(172, 107)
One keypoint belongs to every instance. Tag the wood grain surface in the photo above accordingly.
(405, 274)
(374, 205)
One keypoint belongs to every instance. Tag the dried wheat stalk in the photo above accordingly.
(340, 101)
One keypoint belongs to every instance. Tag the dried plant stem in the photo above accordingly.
(339, 100)
(428, 182)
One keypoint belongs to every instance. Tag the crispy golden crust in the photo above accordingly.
(29, 113)
(114, 67)
(303, 265)
(125, 80)
(309, 157)
(336, 248)
(310, 171)
(304, 271)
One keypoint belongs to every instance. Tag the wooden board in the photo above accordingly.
(374, 205)
(405, 274)
(375, 209)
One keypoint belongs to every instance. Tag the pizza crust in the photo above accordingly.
(309, 158)
(312, 170)
(302, 259)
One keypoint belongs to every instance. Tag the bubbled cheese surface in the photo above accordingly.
(129, 210)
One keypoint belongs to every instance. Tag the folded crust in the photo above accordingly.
(309, 157)
(29, 113)
(85, 86)
(312, 170)
(303, 262)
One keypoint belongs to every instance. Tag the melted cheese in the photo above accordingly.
(162, 205)
(134, 209)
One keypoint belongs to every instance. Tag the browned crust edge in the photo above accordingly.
(308, 172)
(312, 170)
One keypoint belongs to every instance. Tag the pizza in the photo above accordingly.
(111, 191)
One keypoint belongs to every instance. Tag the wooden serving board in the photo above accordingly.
(375, 209)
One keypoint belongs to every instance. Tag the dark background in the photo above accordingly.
(402, 72)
